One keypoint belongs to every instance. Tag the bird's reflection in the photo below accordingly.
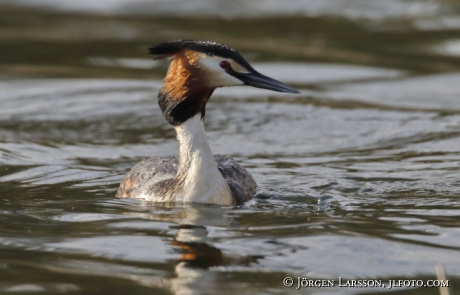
(196, 252)
(196, 256)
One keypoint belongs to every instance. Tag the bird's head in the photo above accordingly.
(197, 69)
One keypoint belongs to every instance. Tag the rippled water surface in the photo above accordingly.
(359, 176)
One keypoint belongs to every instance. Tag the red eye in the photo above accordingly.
(224, 65)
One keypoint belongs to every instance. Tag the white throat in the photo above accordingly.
(201, 181)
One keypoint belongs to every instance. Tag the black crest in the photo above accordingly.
(210, 48)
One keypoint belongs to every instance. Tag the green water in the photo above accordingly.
(359, 176)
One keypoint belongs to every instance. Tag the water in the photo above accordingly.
(358, 176)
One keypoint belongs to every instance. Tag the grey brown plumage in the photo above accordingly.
(151, 172)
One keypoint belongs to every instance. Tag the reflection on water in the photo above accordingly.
(358, 176)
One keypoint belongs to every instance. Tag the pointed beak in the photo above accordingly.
(261, 81)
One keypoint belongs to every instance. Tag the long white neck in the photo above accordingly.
(198, 176)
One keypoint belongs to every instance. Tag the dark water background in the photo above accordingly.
(359, 177)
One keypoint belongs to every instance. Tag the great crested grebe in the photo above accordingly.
(197, 68)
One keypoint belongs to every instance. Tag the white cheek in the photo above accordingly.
(217, 77)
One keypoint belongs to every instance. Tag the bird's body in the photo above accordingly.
(196, 70)
(205, 178)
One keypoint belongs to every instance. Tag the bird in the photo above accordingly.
(196, 69)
